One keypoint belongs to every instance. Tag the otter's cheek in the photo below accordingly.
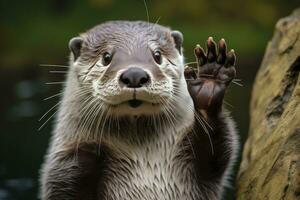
(111, 92)
(96, 89)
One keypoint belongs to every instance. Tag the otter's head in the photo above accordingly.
(131, 68)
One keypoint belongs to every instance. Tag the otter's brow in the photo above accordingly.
(154, 45)
(163, 47)
(103, 49)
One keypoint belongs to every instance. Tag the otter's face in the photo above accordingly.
(132, 68)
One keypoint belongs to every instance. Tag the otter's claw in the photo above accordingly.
(215, 71)
(222, 52)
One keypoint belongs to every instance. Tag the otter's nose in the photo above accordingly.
(134, 77)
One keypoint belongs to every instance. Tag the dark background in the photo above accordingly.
(35, 32)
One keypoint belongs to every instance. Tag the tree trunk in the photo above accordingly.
(270, 168)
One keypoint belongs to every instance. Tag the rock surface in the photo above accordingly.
(270, 168)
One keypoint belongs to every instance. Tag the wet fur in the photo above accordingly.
(163, 155)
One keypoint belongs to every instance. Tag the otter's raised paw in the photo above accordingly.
(215, 71)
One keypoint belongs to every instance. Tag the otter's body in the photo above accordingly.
(130, 127)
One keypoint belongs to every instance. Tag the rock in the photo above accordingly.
(270, 168)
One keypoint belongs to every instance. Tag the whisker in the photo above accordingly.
(51, 65)
(55, 95)
(190, 63)
(193, 151)
(109, 124)
(85, 110)
(99, 123)
(147, 11)
(98, 126)
(47, 121)
(158, 20)
(49, 111)
(58, 72)
(239, 84)
(206, 131)
(92, 118)
(54, 83)
(170, 113)
(228, 104)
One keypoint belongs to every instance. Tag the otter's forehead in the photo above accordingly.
(129, 36)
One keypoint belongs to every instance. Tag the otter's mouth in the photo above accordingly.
(134, 103)
(136, 107)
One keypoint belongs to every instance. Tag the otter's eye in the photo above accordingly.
(106, 59)
(157, 57)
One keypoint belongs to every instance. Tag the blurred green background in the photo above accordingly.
(36, 32)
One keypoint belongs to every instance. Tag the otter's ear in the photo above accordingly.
(75, 45)
(178, 39)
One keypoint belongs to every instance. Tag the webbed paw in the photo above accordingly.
(215, 71)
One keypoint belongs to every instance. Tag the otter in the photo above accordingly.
(136, 124)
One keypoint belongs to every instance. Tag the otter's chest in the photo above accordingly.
(152, 171)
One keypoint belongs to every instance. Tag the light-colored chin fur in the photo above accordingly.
(145, 108)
